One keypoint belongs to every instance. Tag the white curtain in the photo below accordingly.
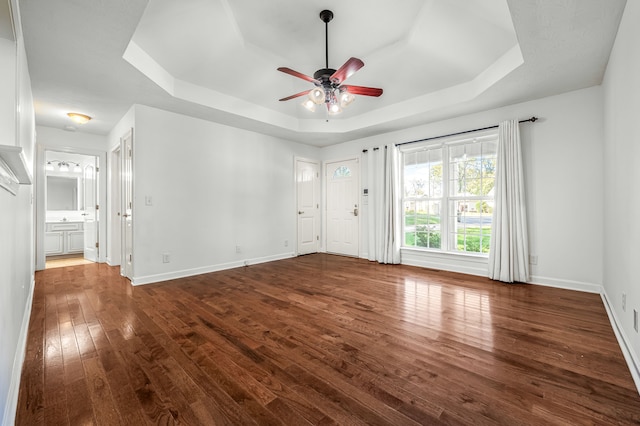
(384, 219)
(509, 251)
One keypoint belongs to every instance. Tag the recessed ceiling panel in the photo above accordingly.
(234, 47)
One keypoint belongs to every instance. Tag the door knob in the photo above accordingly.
(355, 211)
(300, 212)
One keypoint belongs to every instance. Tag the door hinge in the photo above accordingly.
(317, 237)
(97, 169)
(317, 174)
(130, 258)
(97, 244)
(130, 153)
(97, 207)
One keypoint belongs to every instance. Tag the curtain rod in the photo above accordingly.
(532, 119)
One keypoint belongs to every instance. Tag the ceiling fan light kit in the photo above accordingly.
(329, 88)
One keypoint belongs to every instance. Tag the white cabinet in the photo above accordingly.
(63, 238)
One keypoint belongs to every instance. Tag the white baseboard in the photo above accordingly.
(566, 284)
(112, 263)
(149, 279)
(625, 344)
(14, 389)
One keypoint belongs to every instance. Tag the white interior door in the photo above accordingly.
(90, 212)
(115, 208)
(126, 153)
(342, 183)
(308, 206)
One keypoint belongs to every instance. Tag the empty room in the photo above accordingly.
(304, 212)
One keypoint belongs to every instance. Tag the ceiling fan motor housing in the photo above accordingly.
(324, 77)
(326, 16)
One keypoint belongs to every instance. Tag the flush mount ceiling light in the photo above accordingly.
(329, 88)
(79, 118)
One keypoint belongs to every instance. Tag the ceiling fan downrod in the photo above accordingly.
(326, 16)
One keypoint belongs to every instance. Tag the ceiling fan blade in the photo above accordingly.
(347, 70)
(361, 90)
(296, 95)
(298, 74)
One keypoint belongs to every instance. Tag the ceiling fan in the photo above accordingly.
(329, 88)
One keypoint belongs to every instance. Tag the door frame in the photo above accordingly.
(113, 239)
(318, 188)
(126, 187)
(357, 158)
(40, 190)
(93, 246)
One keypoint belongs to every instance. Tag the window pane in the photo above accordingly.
(409, 213)
(470, 225)
(472, 169)
(488, 167)
(456, 153)
(423, 173)
(435, 174)
(342, 172)
(422, 223)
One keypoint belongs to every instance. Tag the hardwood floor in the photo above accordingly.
(318, 339)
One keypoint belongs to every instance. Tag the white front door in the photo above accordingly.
(308, 207)
(90, 213)
(342, 178)
(126, 178)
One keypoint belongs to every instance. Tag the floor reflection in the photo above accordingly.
(459, 313)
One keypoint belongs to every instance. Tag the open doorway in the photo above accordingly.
(71, 213)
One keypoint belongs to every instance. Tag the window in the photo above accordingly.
(342, 172)
(448, 193)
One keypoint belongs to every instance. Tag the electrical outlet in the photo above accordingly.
(166, 258)
(624, 302)
(533, 259)
(238, 249)
(635, 320)
(286, 243)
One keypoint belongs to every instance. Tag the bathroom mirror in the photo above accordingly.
(62, 193)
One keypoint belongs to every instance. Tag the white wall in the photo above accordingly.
(212, 188)
(16, 222)
(7, 91)
(622, 178)
(563, 167)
